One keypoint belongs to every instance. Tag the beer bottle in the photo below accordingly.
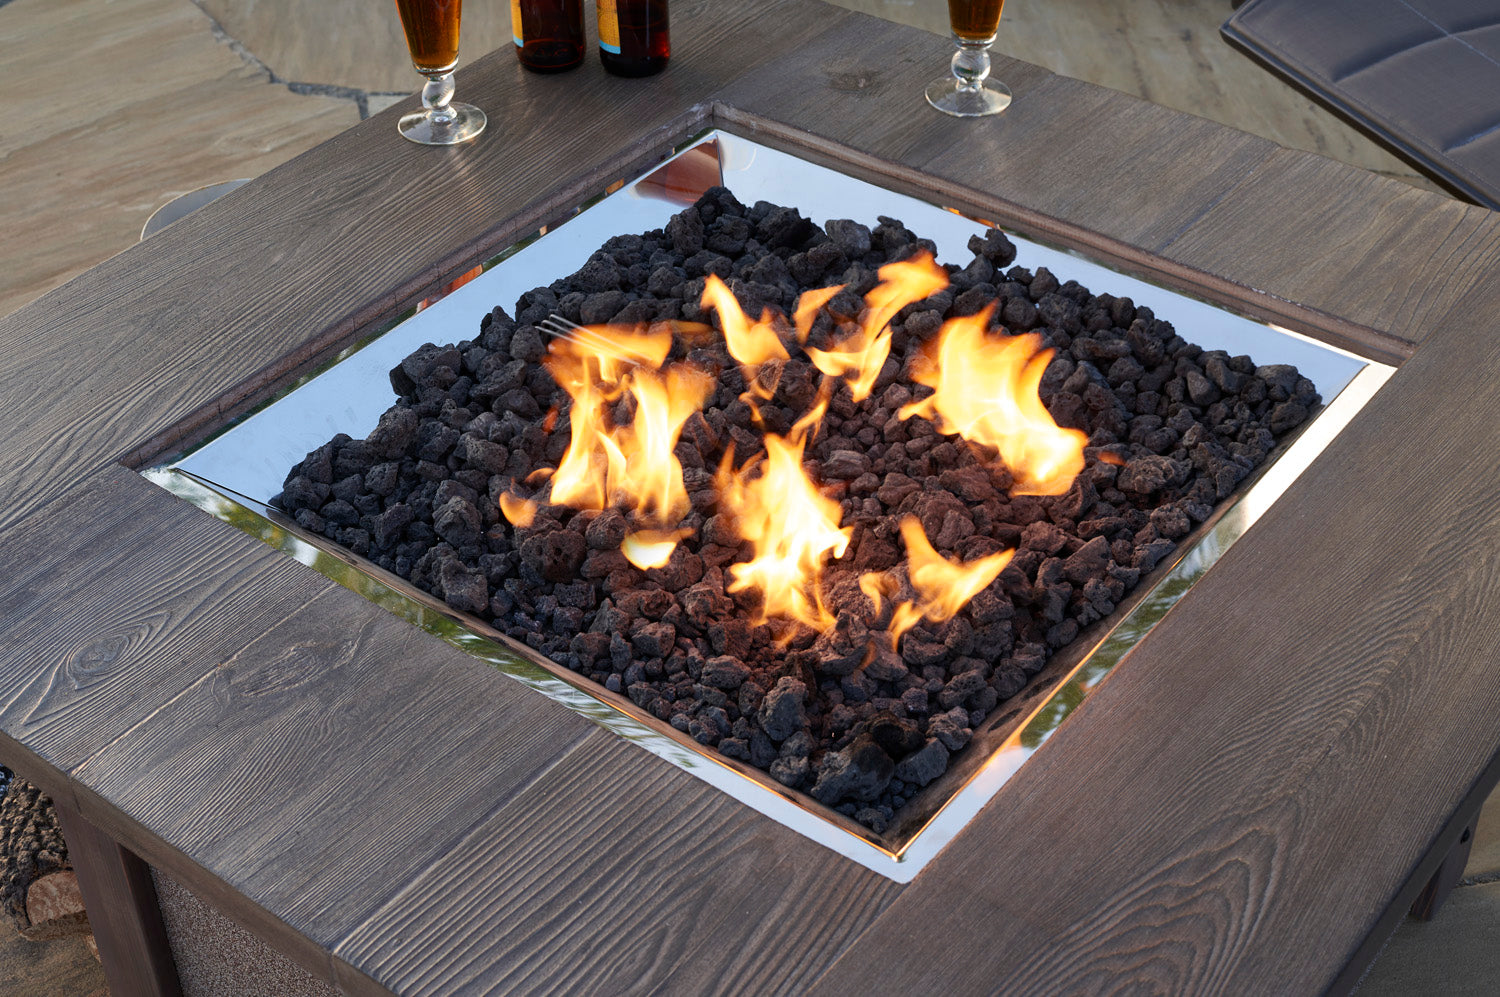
(548, 33)
(633, 39)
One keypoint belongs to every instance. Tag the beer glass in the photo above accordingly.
(432, 36)
(964, 93)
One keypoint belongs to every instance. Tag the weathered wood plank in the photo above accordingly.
(125, 598)
(1075, 154)
(1391, 269)
(341, 717)
(578, 886)
(223, 653)
(1063, 149)
(860, 80)
(1350, 732)
(123, 915)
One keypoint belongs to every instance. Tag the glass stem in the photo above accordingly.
(971, 64)
(437, 94)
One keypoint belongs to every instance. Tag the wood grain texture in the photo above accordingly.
(1351, 733)
(1391, 269)
(1063, 148)
(575, 887)
(861, 80)
(1074, 153)
(123, 915)
(125, 598)
(261, 769)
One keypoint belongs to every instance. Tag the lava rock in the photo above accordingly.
(725, 672)
(921, 767)
(781, 715)
(858, 772)
(1172, 429)
(555, 556)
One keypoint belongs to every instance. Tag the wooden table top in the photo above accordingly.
(1235, 809)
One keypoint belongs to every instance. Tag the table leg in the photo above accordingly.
(1425, 907)
(123, 913)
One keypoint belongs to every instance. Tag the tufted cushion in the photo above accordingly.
(1421, 75)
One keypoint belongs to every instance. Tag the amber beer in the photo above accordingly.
(548, 33)
(975, 20)
(431, 32)
(633, 36)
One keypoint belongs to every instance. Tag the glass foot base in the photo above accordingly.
(944, 94)
(421, 126)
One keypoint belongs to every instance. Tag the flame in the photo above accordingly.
(863, 353)
(519, 512)
(792, 527)
(651, 548)
(986, 390)
(877, 586)
(751, 343)
(808, 304)
(632, 464)
(942, 587)
(648, 471)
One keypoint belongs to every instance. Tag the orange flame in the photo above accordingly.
(632, 464)
(943, 587)
(808, 304)
(751, 343)
(986, 390)
(519, 512)
(877, 587)
(792, 527)
(861, 355)
(651, 548)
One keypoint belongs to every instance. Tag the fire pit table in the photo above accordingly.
(1247, 803)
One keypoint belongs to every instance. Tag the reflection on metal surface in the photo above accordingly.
(237, 473)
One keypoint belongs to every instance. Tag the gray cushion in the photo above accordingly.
(1421, 75)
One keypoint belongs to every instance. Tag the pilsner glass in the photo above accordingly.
(964, 93)
(432, 36)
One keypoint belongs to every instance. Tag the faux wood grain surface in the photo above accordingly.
(1075, 153)
(103, 630)
(1230, 811)
(1064, 148)
(575, 887)
(862, 80)
(261, 769)
(1391, 268)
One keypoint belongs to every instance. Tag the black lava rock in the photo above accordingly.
(1172, 429)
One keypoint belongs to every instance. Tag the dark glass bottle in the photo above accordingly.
(633, 38)
(548, 33)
